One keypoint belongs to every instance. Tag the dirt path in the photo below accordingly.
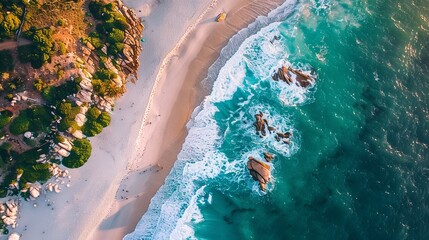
(12, 44)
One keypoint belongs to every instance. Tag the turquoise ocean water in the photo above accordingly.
(358, 163)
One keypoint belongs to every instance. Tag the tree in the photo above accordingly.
(9, 25)
(39, 84)
(5, 117)
(93, 113)
(79, 154)
(104, 119)
(92, 128)
(40, 50)
(19, 125)
(6, 61)
(116, 36)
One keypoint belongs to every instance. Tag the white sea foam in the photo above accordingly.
(174, 208)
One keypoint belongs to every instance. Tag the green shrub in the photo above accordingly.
(32, 119)
(67, 123)
(60, 22)
(35, 173)
(9, 24)
(59, 139)
(92, 128)
(19, 125)
(93, 113)
(40, 50)
(6, 61)
(39, 84)
(41, 118)
(104, 119)
(105, 74)
(79, 154)
(5, 117)
(54, 95)
(116, 36)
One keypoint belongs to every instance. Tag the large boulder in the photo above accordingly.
(260, 123)
(259, 171)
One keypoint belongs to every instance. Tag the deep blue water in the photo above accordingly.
(358, 163)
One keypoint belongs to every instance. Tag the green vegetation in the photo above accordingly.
(79, 154)
(68, 112)
(11, 86)
(30, 169)
(111, 29)
(6, 61)
(92, 127)
(40, 51)
(5, 117)
(35, 119)
(54, 95)
(10, 14)
(53, 27)
(39, 84)
(96, 121)
(104, 119)
(104, 85)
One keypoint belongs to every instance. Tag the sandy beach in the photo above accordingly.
(132, 157)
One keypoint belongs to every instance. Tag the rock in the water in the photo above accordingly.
(268, 156)
(260, 123)
(260, 172)
(285, 137)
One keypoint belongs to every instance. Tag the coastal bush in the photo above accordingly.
(105, 74)
(92, 128)
(59, 139)
(93, 113)
(35, 173)
(8, 25)
(98, 87)
(115, 49)
(33, 119)
(116, 36)
(104, 119)
(6, 61)
(67, 123)
(67, 110)
(111, 29)
(79, 154)
(40, 119)
(5, 117)
(19, 125)
(55, 95)
(39, 84)
(101, 11)
(4, 155)
(40, 51)
(96, 121)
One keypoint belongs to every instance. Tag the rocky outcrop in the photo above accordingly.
(287, 74)
(268, 156)
(9, 212)
(284, 137)
(259, 171)
(130, 63)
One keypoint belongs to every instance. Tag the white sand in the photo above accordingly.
(130, 160)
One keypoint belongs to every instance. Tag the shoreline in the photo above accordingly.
(106, 197)
(196, 54)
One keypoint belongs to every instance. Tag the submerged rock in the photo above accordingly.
(259, 171)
